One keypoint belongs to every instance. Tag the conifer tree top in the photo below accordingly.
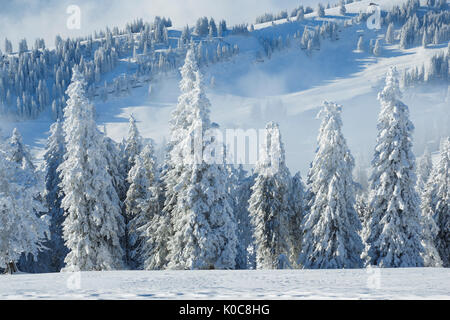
(188, 71)
(391, 91)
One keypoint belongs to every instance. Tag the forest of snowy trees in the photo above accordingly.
(35, 78)
(95, 204)
(100, 205)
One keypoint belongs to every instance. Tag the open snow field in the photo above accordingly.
(413, 283)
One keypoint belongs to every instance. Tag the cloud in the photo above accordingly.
(46, 18)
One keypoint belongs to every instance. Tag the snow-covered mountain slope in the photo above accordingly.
(250, 90)
(409, 283)
(352, 9)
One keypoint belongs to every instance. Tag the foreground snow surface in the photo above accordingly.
(412, 283)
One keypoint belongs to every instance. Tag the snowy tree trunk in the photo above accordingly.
(11, 268)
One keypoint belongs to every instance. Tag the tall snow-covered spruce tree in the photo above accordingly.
(330, 227)
(393, 234)
(114, 159)
(240, 186)
(132, 147)
(436, 206)
(297, 199)
(152, 225)
(142, 206)
(53, 157)
(201, 215)
(429, 228)
(22, 231)
(20, 154)
(178, 123)
(269, 204)
(424, 168)
(171, 172)
(93, 225)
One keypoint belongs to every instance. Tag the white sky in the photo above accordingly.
(46, 18)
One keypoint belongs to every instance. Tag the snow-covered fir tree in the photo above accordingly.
(8, 46)
(331, 224)
(154, 225)
(305, 38)
(425, 40)
(269, 204)
(362, 209)
(18, 151)
(424, 168)
(53, 157)
(377, 48)
(203, 223)
(154, 249)
(116, 169)
(389, 37)
(142, 205)
(132, 146)
(342, 9)
(430, 254)
(171, 171)
(320, 10)
(297, 200)
(393, 235)
(360, 45)
(120, 166)
(23, 227)
(436, 206)
(93, 225)
(300, 15)
(241, 189)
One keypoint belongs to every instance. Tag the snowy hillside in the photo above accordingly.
(262, 285)
(317, 138)
(287, 87)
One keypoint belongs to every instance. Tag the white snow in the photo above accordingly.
(411, 283)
